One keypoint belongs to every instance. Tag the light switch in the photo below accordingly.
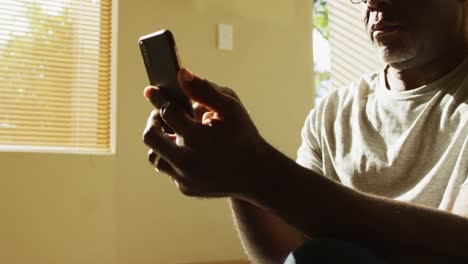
(225, 39)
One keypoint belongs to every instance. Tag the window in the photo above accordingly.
(55, 75)
(352, 52)
(321, 48)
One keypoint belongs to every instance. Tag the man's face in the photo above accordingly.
(411, 32)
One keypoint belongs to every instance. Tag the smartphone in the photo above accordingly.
(162, 64)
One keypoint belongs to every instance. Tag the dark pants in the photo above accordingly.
(323, 251)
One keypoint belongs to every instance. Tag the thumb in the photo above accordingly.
(205, 93)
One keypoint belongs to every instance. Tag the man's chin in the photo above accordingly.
(396, 58)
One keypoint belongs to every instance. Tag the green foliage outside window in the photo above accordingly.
(23, 61)
(322, 76)
(321, 18)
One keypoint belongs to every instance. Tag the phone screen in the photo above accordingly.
(162, 65)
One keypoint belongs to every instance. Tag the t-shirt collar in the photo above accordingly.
(447, 81)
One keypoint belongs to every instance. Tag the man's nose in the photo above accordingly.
(377, 5)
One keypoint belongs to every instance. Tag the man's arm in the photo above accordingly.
(265, 237)
(252, 170)
(319, 207)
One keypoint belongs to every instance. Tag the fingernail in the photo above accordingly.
(147, 91)
(187, 75)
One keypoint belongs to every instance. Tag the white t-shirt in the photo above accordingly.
(410, 146)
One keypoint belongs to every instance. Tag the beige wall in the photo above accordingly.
(114, 209)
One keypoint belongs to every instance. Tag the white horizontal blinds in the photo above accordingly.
(55, 73)
(352, 52)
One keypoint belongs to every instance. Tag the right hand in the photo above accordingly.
(220, 156)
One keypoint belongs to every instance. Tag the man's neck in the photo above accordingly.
(414, 77)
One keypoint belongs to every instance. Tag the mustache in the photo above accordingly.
(371, 18)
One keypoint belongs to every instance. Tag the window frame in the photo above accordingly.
(112, 149)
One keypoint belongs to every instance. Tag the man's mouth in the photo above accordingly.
(384, 29)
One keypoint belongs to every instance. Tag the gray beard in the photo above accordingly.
(396, 56)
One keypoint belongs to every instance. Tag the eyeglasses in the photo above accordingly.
(358, 1)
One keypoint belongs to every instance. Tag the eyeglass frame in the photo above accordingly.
(358, 2)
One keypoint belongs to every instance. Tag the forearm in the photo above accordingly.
(265, 237)
(318, 206)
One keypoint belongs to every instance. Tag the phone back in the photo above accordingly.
(162, 65)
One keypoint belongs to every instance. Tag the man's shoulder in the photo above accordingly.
(341, 97)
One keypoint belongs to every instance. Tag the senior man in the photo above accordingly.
(381, 174)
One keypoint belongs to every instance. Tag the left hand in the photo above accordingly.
(221, 151)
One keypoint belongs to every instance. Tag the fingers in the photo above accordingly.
(165, 167)
(156, 96)
(173, 116)
(216, 98)
(154, 120)
(207, 93)
(160, 164)
(164, 154)
(198, 111)
(162, 144)
(160, 102)
(208, 117)
(152, 157)
(179, 121)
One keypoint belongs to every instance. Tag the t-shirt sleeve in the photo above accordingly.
(309, 152)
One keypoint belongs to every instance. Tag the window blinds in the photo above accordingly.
(352, 53)
(55, 58)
